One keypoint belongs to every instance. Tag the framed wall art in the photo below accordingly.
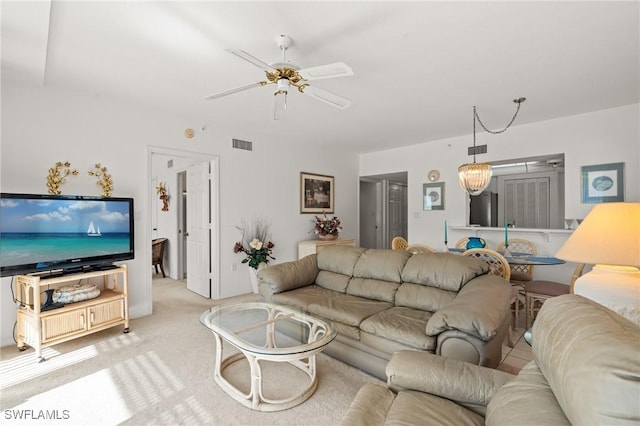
(433, 196)
(316, 193)
(603, 183)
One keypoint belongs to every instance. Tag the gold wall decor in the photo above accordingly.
(57, 176)
(104, 179)
(164, 196)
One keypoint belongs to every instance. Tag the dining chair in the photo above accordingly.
(420, 248)
(462, 243)
(157, 254)
(399, 243)
(520, 274)
(498, 265)
(538, 291)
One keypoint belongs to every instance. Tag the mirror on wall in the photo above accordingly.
(523, 193)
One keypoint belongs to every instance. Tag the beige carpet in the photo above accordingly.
(158, 374)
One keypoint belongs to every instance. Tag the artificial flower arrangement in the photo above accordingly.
(323, 226)
(255, 244)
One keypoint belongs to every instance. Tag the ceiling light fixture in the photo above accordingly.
(475, 177)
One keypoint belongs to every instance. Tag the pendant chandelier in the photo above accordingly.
(475, 177)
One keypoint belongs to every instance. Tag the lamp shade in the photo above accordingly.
(609, 235)
(474, 177)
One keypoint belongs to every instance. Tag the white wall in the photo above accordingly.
(42, 126)
(607, 136)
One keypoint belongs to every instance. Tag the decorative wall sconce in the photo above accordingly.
(104, 179)
(164, 196)
(57, 175)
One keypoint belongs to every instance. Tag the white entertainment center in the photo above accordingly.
(43, 328)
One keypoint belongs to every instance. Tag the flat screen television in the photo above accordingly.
(63, 233)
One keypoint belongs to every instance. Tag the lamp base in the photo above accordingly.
(616, 287)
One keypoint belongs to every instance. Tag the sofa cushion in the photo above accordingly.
(418, 408)
(333, 281)
(369, 407)
(442, 270)
(347, 309)
(529, 399)
(373, 289)
(596, 375)
(339, 259)
(422, 297)
(287, 276)
(403, 325)
(302, 297)
(380, 264)
(384, 346)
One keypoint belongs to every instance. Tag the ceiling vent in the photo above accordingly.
(240, 144)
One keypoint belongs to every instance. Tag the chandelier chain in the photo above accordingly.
(496, 132)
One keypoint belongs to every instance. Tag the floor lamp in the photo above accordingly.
(609, 238)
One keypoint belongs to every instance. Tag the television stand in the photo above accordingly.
(40, 328)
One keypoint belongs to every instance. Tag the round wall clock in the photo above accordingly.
(433, 175)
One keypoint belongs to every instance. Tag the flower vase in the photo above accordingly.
(476, 242)
(328, 237)
(253, 275)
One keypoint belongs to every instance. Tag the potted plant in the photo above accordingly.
(325, 228)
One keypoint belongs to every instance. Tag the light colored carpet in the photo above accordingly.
(161, 373)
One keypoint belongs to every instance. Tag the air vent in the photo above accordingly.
(240, 144)
(480, 149)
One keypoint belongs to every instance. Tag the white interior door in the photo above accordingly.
(199, 229)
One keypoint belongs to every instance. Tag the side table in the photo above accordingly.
(305, 248)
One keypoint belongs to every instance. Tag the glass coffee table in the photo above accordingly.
(264, 331)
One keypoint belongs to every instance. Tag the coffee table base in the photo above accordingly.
(255, 399)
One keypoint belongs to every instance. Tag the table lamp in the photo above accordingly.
(609, 238)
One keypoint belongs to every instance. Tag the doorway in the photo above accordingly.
(383, 209)
(197, 262)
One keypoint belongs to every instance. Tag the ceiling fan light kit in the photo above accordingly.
(285, 74)
(476, 177)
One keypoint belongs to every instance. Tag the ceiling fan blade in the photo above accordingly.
(279, 104)
(338, 69)
(328, 97)
(236, 90)
(250, 58)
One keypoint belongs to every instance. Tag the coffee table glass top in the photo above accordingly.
(267, 328)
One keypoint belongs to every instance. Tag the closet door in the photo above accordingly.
(527, 202)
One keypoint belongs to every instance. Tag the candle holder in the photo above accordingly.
(506, 252)
(446, 247)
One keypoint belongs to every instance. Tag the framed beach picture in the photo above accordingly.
(433, 196)
(316, 193)
(603, 183)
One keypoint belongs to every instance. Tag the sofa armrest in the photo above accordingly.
(287, 276)
(467, 384)
(479, 309)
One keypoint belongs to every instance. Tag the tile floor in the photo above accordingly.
(513, 359)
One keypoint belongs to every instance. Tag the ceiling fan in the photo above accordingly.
(286, 75)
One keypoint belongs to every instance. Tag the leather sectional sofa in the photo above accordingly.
(383, 301)
(586, 371)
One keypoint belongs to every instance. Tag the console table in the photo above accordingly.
(40, 329)
(305, 248)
